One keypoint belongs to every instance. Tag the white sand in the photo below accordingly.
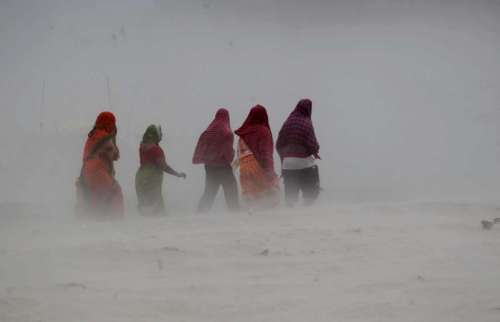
(344, 263)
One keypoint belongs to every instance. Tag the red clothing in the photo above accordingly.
(104, 193)
(256, 133)
(101, 192)
(297, 137)
(152, 154)
(105, 127)
(106, 121)
(215, 145)
(96, 137)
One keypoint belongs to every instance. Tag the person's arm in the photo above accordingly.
(168, 169)
(163, 165)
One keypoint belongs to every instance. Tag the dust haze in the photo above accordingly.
(405, 93)
(406, 108)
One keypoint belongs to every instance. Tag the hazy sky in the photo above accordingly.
(406, 93)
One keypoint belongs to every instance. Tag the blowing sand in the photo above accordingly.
(345, 263)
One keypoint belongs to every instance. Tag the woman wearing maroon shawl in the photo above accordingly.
(97, 190)
(215, 150)
(258, 179)
(298, 149)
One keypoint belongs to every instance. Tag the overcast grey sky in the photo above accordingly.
(406, 93)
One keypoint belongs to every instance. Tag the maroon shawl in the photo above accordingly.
(297, 137)
(215, 145)
(256, 133)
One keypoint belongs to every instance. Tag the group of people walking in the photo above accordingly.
(98, 192)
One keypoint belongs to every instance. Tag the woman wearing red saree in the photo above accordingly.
(105, 126)
(98, 191)
(215, 150)
(259, 182)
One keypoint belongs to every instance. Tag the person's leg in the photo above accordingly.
(211, 189)
(230, 188)
(290, 178)
(310, 186)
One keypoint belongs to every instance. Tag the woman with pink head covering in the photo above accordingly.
(215, 150)
(298, 149)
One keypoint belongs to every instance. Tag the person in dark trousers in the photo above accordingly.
(299, 149)
(215, 150)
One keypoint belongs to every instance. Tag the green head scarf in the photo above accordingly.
(153, 135)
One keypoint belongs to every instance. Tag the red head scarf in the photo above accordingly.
(297, 137)
(105, 121)
(104, 127)
(256, 133)
(215, 145)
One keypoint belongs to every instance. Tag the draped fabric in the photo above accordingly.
(148, 187)
(254, 181)
(149, 176)
(152, 154)
(102, 193)
(104, 128)
(256, 133)
(215, 145)
(105, 194)
(97, 190)
(297, 137)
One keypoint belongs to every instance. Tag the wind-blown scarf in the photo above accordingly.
(256, 133)
(297, 137)
(104, 128)
(215, 145)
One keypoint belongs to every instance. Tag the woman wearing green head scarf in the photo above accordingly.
(149, 177)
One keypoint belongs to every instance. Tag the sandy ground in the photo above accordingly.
(343, 263)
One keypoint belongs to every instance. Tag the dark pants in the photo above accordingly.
(217, 176)
(305, 180)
